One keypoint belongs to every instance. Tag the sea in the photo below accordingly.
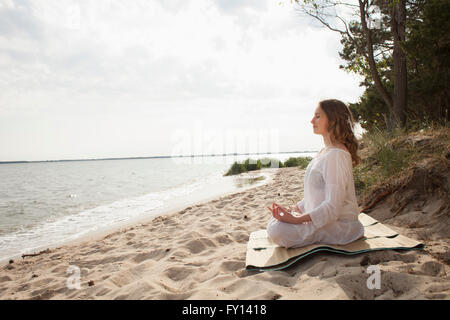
(50, 203)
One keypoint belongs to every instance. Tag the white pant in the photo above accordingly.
(290, 235)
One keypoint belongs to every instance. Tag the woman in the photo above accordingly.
(329, 210)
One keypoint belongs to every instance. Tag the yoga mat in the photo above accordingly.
(264, 255)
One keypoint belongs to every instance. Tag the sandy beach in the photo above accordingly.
(199, 253)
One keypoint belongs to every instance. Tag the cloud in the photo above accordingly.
(161, 59)
(17, 20)
(167, 62)
(236, 6)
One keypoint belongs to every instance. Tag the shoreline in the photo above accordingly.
(167, 212)
(199, 253)
(96, 235)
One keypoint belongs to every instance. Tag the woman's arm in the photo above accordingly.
(285, 216)
(337, 172)
(301, 219)
(300, 207)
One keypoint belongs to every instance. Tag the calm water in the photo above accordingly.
(48, 203)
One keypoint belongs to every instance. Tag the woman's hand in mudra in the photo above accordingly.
(294, 209)
(285, 215)
(281, 213)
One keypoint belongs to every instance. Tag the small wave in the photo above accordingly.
(56, 230)
(75, 225)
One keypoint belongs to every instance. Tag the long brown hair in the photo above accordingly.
(341, 125)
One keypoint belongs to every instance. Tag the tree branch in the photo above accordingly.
(382, 52)
(346, 29)
(370, 58)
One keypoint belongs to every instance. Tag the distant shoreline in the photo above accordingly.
(155, 157)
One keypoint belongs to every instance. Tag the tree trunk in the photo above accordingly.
(363, 6)
(398, 21)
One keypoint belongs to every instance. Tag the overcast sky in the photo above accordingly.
(106, 78)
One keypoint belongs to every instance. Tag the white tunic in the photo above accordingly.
(330, 200)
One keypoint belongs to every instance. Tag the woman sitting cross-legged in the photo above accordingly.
(329, 210)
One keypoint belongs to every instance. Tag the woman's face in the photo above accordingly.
(320, 121)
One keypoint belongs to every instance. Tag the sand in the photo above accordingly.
(199, 253)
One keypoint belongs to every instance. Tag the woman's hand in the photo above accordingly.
(295, 209)
(284, 215)
(276, 209)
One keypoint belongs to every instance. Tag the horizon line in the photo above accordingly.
(153, 157)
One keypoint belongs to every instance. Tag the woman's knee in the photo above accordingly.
(277, 233)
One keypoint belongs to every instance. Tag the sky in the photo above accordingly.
(84, 79)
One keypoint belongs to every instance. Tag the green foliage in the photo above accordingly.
(390, 160)
(248, 165)
(384, 155)
(270, 163)
(251, 164)
(236, 168)
(427, 49)
(428, 70)
(371, 111)
(384, 160)
(428, 66)
(301, 162)
(387, 158)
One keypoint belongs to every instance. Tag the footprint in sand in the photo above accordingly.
(43, 294)
(432, 268)
(222, 204)
(124, 278)
(178, 273)
(437, 288)
(283, 280)
(154, 255)
(213, 229)
(139, 245)
(316, 269)
(373, 258)
(60, 269)
(5, 279)
(233, 265)
(23, 287)
(198, 245)
(223, 239)
(179, 254)
(241, 237)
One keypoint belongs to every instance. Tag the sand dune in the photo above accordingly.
(199, 253)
